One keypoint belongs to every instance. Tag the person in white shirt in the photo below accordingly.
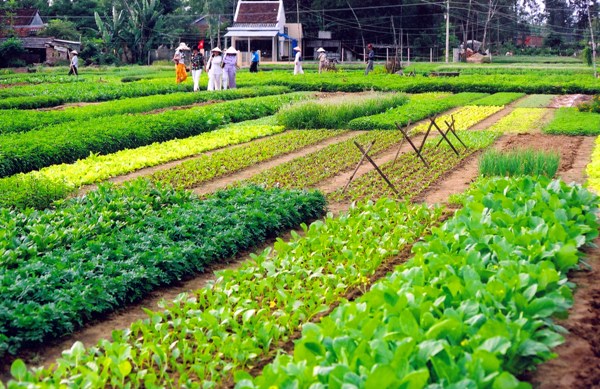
(298, 61)
(74, 64)
(214, 70)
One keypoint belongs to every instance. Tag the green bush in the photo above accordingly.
(591, 106)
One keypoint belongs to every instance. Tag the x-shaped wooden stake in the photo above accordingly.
(411, 144)
(366, 156)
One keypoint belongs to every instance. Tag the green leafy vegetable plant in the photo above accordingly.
(570, 121)
(91, 255)
(472, 308)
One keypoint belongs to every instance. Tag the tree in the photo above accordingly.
(132, 29)
(111, 33)
(10, 49)
(144, 25)
(61, 29)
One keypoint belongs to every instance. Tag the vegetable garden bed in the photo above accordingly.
(249, 315)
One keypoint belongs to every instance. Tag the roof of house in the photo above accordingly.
(258, 12)
(19, 17)
(31, 42)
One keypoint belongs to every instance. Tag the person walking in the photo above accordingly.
(370, 59)
(214, 70)
(298, 61)
(322, 59)
(179, 59)
(73, 68)
(230, 66)
(197, 63)
(254, 62)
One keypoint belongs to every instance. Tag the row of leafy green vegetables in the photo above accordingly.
(27, 120)
(473, 308)
(49, 95)
(58, 181)
(60, 268)
(90, 76)
(245, 313)
(352, 81)
(533, 82)
(68, 142)
(473, 311)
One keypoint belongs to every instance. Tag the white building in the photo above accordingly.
(261, 25)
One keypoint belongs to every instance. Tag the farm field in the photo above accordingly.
(157, 237)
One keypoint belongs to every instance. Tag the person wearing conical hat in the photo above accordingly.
(214, 69)
(73, 68)
(298, 61)
(179, 59)
(322, 59)
(230, 67)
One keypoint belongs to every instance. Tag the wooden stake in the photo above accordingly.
(412, 145)
(401, 144)
(358, 166)
(376, 168)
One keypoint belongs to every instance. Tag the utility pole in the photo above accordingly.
(593, 42)
(447, 30)
(359, 27)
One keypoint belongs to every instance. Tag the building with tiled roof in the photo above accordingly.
(261, 25)
(22, 22)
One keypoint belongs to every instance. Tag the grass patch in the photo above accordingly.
(519, 162)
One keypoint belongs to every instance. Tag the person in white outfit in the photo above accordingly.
(298, 61)
(214, 70)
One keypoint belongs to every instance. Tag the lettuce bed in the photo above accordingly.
(472, 309)
(570, 121)
(94, 254)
